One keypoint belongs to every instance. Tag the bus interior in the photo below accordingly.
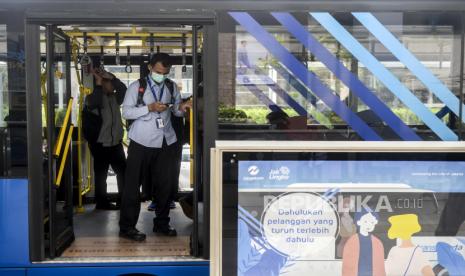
(73, 229)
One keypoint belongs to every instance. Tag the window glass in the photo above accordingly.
(3, 75)
(340, 76)
(13, 130)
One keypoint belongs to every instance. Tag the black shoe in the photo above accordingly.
(132, 234)
(106, 206)
(166, 230)
(187, 208)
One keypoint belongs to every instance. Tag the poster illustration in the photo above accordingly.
(341, 217)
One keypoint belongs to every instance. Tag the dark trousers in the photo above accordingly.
(103, 158)
(147, 163)
(174, 159)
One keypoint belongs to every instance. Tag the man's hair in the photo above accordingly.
(162, 58)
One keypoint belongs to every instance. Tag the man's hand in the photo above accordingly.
(97, 76)
(185, 105)
(157, 107)
(102, 74)
(106, 75)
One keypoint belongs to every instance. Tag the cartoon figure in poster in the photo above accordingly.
(363, 253)
(348, 227)
(406, 258)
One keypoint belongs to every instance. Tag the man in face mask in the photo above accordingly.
(150, 153)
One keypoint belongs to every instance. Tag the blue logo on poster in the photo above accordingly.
(253, 174)
(253, 170)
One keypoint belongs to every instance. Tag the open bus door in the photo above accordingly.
(57, 140)
(51, 178)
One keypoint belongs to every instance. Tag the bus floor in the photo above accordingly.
(96, 233)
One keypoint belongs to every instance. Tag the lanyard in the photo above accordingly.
(162, 89)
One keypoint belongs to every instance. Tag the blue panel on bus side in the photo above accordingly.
(14, 232)
(121, 271)
(13, 272)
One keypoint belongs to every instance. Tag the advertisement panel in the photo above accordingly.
(350, 217)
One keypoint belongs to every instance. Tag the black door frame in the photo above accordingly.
(210, 80)
(57, 240)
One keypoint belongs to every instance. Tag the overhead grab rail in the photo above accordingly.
(85, 61)
(102, 58)
(117, 58)
(137, 47)
(128, 67)
(184, 67)
(86, 43)
(75, 34)
(152, 45)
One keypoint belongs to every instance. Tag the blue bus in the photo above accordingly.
(356, 70)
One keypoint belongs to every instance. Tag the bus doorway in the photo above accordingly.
(72, 228)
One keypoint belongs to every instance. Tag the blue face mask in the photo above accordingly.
(159, 78)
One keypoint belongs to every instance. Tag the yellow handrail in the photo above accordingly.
(61, 135)
(65, 155)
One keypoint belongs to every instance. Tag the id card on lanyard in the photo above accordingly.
(159, 121)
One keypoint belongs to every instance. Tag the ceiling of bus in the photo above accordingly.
(170, 39)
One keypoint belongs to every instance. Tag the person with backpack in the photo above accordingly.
(103, 130)
(148, 105)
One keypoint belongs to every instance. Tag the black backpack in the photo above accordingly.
(91, 124)
(140, 95)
